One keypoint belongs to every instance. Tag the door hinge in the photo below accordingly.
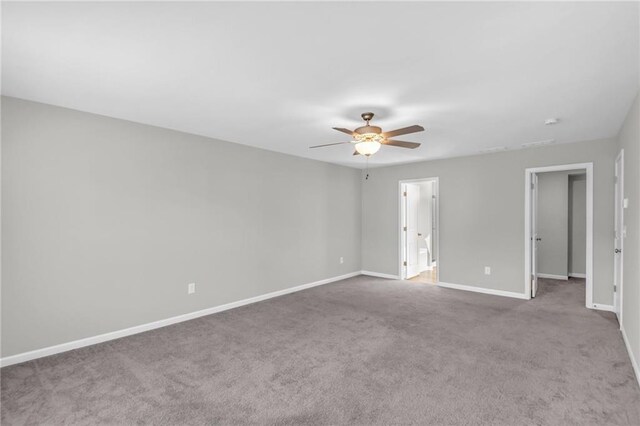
(404, 229)
(404, 263)
(404, 193)
(615, 288)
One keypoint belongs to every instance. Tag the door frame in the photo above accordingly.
(619, 208)
(533, 208)
(402, 271)
(527, 226)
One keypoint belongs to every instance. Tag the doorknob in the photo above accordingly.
(617, 251)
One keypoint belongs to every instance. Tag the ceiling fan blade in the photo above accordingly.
(403, 131)
(401, 144)
(328, 144)
(347, 131)
(356, 153)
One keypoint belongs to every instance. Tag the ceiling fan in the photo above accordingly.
(368, 139)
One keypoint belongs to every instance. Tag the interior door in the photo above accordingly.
(619, 236)
(434, 227)
(412, 200)
(534, 234)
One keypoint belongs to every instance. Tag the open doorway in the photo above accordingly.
(559, 232)
(419, 230)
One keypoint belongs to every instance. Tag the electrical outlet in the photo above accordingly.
(191, 288)
(487, 270)
(341, 259)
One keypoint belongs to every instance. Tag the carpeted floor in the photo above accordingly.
(361, 351)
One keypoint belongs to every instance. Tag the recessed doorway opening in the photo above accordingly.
(559, 244)
(419, 232)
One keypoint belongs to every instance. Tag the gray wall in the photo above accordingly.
(629, 140)
(553, 223)
(577, 224)
(482, 214)
(105, 222)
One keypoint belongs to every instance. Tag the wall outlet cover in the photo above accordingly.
(487, 270)
(191, 288)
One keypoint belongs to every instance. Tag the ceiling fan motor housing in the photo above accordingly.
(368, 129)
(368, 132)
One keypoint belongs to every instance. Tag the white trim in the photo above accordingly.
(483, 290)
(576, 275)
(380, 275)
(620, 206)
(601, 307)
(553, 277)
(402, 273)
(634, 362)
(88, 341)
(527, 225)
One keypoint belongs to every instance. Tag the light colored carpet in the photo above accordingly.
(360, 351)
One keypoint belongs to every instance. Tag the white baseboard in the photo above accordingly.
(380, 275)
(601, 307)
(88, 341)
(634, 361)
(577, 275)
(484, 290)
(553, 277)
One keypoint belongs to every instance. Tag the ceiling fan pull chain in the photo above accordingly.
(366, 167)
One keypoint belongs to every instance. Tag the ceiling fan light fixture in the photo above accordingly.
(368, 147)
(368, 139)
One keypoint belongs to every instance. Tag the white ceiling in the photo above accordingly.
(280, 75)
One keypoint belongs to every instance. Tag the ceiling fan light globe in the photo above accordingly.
(368, 147)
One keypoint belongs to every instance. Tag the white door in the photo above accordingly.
(534, 234)
(619, 235)
(412, 200)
